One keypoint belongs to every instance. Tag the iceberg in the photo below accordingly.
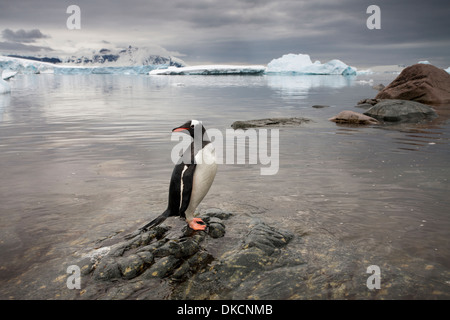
(302, 64)
(210, 70)
(448, 70)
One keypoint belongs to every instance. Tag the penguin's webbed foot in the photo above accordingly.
(197, 224)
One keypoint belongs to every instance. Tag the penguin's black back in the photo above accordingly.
(182, 176)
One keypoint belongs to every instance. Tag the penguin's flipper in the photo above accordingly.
(187, 183)
(158, 220)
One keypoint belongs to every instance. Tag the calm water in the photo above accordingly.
(82, 157)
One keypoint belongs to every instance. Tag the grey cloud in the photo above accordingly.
(254, 31)
(23, 36)
(14, 47)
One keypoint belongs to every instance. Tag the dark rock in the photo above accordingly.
(266, 238)
(372, 102)
(270, 122)
(216, 230)
(131, 266)
(107, 270)
(162, 268)
(319, 106)
(423, 83)
(401, 111)
(263, 248)
(351, 117)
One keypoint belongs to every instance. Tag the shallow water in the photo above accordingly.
(85, 156)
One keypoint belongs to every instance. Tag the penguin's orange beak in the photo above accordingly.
(179, 129)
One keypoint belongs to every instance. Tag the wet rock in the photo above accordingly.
(351, 117)
(262, 249)
(131, 266)
(372, 102)
(254, 260)
(269, 122)
(401, 111)
(152, 254)
(423, 83)
(107, 270)
(162, 268)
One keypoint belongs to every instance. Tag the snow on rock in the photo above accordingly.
(210, 70)
(302, 64)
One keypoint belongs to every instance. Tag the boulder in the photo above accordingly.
(352, 117)
(401, 111)
(423, 83)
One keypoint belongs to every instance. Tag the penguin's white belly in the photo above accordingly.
(204, 175)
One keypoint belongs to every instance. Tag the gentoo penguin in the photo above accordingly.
(191, 178)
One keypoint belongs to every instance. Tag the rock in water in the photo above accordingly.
(379, 87)
(401, 111)
(269, 122)
(423, 83)
(351, 117)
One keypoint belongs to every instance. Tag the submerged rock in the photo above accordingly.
(269, 122)
(379, 87)
(423, 83)
(352, 117)
(401, 111)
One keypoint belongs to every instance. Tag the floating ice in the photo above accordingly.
(366, 71)
(302, 64)
(448, 69)
(210, 70)
(424, 62)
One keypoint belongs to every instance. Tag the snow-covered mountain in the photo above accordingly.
(131, 60)
(131, 56)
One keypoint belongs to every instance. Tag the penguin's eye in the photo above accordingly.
(192, 126)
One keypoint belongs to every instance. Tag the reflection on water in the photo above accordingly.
(5, 100)
(84, 156)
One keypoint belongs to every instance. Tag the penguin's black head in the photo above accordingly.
(191, 127)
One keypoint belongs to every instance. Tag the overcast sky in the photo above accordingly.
(235, 31)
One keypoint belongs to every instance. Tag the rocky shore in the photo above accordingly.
(235, 258)
(406, 99)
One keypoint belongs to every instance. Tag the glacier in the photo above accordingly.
(210, 70)
(25, 66)
(302, 64)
